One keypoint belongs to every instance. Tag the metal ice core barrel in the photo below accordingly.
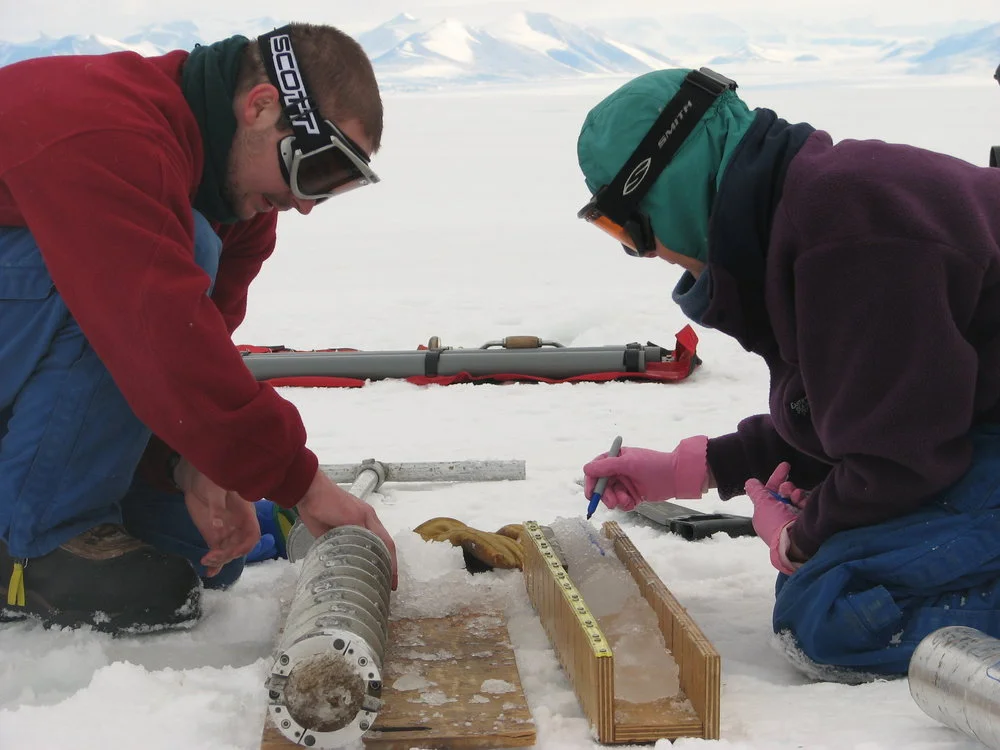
(326, 681)
(954, 677)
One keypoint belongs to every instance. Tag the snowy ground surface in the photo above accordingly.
(472, 236)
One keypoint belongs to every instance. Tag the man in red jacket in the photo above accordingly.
(138, 199)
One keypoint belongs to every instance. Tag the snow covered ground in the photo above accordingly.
(472, 236)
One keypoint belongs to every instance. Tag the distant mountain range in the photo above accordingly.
(522, 47)
(408, 52)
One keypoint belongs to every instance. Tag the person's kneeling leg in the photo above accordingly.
(863, 603)
(70, 444)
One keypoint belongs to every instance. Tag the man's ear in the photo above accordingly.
(260, 106)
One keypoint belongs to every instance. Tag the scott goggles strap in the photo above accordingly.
(676, 122)
(284, 72)
(318, 160)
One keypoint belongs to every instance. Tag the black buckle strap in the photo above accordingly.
(714, 83)
(632, 359)
(432, 363)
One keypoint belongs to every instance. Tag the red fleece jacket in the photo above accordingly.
(100, 157)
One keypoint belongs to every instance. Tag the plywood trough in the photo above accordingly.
(588, 657)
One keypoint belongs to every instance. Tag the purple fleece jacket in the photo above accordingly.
(880, 327)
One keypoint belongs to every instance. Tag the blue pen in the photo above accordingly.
(595, 496)
(780, 498)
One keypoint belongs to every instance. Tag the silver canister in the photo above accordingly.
(954, 678)
(326, 682)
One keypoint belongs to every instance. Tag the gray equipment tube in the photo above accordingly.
(554, 362)
(953, 677)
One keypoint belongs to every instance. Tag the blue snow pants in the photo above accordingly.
(871, 594)
(69, 442)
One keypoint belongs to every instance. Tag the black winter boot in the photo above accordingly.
(104, 578)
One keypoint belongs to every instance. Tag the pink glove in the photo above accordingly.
(773, 513)
(639, 474)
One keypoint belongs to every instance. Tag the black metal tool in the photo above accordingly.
(694, 525)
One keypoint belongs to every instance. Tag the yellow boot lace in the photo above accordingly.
(15, 589)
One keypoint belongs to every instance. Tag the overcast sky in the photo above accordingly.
(21, 20)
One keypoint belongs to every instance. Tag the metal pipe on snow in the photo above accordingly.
(431, 471)
(369, 475)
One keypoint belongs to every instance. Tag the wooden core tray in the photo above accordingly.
(588, 658)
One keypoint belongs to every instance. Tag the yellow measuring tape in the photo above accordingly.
(588, 623)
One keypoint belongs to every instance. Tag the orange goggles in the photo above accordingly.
(635, 235)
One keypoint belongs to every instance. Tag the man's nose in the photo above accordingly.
(303, 206)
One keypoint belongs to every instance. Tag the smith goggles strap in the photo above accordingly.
(676, 122)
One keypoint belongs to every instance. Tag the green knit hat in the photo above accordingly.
(680, 200)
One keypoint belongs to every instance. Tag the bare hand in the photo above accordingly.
(226, 521)
(326, 506)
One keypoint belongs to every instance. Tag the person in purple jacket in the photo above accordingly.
(867, 276)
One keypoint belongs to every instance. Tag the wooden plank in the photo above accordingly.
(457, 657)
(700, 667)
(436, 692)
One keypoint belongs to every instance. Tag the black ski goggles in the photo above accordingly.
(614, 209)
(317, 171)
(318, 160)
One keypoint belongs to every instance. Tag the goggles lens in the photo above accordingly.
(326, 171)
(636, 236)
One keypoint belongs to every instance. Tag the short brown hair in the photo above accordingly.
(337, 70)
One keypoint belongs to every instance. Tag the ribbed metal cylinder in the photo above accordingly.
(326, 681)
(954, 678)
